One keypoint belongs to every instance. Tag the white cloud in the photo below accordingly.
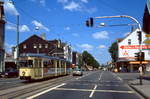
(22, 28)
(91, 10)
(73, 6)
(10, 27)
(40, 25)
(62, 1)
(41, 2)
(101, 46)
(67, 28)
(86, 46)
(75, 35)
(100, 35)
(10, 8)
(77, 6)
(84, 1)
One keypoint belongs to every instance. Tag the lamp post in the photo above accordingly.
(139, 32)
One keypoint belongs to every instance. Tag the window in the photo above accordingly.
(46, 45)
(40, 45)
(24, 46)
(129, 41)
(34, 46)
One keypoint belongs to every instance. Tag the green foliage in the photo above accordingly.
(113, 50)
(89, 59)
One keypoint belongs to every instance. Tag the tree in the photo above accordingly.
(89, 59)
(113, 50)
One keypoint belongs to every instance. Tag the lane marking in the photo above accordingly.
(43, 92)
(89, 90)
(91, 95)
(100, 76)
(84, 75)
(118, 77)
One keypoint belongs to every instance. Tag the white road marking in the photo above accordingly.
(43, 92)
(117, 77)
(91, 95)
(89, 90)
(100, 76)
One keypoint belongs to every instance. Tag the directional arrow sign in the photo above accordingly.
(134, 47)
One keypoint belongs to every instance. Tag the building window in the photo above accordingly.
(129, 41)
(24, 46)
(46, 45)
(40, 45)
(34, 46)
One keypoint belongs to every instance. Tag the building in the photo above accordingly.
(38, 45)
(2, 36)
(76, 59)
(127, 49)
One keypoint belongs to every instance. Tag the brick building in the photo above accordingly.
(37, 45)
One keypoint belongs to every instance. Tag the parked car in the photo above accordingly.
(77, 73)
(10, 73)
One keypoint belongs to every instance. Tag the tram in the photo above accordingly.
(37, 66)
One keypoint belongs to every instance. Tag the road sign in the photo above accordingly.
(134, 47)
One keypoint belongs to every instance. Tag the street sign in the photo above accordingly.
(135, 46)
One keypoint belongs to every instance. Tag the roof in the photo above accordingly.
(41, 56)
(34, 36)
(148, 5)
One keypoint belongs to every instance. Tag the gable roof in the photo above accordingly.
(34, 37)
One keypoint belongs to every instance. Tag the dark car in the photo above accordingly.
(10, 73)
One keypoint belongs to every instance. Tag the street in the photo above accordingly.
(100, 84)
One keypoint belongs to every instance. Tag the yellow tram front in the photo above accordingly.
(30, 68)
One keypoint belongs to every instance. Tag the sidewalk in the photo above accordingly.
(143, 89)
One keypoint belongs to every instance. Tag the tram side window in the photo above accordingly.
(26, 63)
(51, 63)
(35, 63)
(45, 64)
(30, 63)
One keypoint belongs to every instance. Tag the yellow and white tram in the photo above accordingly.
(36, 66)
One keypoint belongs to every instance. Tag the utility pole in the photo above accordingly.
(17, 61)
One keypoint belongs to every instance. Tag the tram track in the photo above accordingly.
(33, 88)
(21, 90)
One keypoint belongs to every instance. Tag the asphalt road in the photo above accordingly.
(97, 85)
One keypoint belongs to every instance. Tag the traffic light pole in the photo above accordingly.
(140, 38)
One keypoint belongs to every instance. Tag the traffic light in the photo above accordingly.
(139, 36)
(140, 56)
(137, 56)
(90, 22)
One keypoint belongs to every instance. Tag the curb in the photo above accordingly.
(139, 92)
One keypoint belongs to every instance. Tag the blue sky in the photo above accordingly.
(65, 20)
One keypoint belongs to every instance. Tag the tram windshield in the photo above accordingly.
(26, 63)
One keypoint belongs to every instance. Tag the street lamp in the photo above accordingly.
(139, 32)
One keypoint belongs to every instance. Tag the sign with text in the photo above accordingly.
(135, 46)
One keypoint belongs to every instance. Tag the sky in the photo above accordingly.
(65, 20)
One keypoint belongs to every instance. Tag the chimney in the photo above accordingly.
(43, 36)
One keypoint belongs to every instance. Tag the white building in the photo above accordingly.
(127, 48)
